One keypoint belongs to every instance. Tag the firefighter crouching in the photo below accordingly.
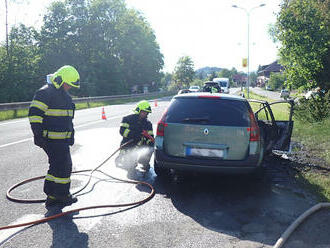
(50, 115)
(138, 128)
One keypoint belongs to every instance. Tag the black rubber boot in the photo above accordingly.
(60, 201)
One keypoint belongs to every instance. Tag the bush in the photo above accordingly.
(314, 109)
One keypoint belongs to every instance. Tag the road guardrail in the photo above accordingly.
(24, 105)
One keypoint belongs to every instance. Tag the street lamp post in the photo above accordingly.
(248, 41)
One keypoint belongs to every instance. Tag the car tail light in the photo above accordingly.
(208, 96)
(254, 128)
(161, 125)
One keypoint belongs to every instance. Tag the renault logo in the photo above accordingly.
(206, 131)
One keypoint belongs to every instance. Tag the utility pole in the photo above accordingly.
(248, 41)
(7, 41)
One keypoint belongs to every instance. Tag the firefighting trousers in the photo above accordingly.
(57, 181)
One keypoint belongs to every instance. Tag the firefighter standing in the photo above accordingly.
(138, 128)
(50, 115)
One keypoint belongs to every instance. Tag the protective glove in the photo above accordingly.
(136, 136)
(40, 141)
(148, 136)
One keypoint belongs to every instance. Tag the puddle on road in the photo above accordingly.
(94, 147)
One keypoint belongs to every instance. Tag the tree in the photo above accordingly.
(276, 80)
(213, 75)
(20, 77)
(184, 72)
(253, 78)
(303, 29)
(137, 49)
(166, 79)
(113, 47)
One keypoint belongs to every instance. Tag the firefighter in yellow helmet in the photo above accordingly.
(138, 128)
(50, 114)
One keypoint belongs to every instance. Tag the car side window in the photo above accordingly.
(261, 111)
(281, 111)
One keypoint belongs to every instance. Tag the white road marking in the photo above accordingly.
(7, 234)
(11, 122)
(76, 127)
(16, 142)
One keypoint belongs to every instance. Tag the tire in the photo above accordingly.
(161, 171)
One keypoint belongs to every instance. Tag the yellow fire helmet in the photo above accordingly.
(66, 74)
(142, 106)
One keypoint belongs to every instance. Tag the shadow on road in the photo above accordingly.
(234, 205)
(66, 233)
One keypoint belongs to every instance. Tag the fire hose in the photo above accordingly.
(285, 236)
(46, 219)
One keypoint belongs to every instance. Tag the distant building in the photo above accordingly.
(239, 80)
(265, 71)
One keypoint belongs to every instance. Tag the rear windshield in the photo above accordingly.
(208, 111)
(223, 84)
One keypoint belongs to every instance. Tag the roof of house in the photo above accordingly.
(273, 67)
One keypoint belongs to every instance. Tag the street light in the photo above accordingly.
(248, 31)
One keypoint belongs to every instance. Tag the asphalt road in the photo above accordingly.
(269, 94)
(187, 211)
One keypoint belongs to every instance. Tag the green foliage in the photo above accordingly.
(212, 75)
(226, 73)
(303, 29)
(184, 72)
(165, 80)
(315, 109)
(113, 48)
(198, 82)
(19, 71)
(276, 80)
(202, 73)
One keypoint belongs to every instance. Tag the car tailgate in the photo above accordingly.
(179, 138)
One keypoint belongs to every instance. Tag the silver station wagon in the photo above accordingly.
(218, 133)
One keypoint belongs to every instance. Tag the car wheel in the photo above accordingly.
(161, 171)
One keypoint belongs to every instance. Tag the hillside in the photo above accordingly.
(203, 72)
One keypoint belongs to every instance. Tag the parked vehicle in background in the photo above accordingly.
(184, 91)
(194, 88)
(217, 133)
(314, 93)
(208, 86)
(224, 84)
(284, 94)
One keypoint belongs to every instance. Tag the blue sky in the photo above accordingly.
(211, 32)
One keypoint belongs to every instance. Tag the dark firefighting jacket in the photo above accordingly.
(132, 126)
(50, 115)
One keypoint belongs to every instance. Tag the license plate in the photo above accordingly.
(203, 152)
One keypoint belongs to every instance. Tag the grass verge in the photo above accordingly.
(315, 138)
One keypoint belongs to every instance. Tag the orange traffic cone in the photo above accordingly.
(103, 114)
(156, 103)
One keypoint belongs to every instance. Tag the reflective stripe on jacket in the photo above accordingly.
(51, 113)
